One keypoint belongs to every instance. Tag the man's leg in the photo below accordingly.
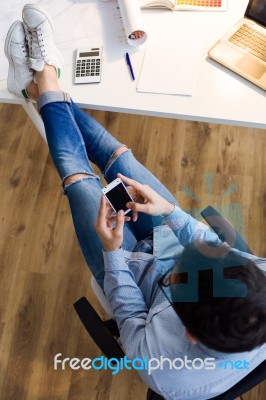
(36, 50)
(32, 48)
(80, 183)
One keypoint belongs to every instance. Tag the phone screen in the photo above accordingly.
(118, 197)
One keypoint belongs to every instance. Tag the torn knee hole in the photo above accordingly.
(76, 177)
(118, 152)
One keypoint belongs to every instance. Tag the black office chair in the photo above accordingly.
(104, 332)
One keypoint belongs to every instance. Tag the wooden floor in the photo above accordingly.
(42, 269)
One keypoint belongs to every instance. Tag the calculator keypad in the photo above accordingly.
(88, 67)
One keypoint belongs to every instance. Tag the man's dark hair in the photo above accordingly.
(235, 321)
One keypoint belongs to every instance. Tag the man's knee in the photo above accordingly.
(76, 177)
(115, 155)
(118, 152)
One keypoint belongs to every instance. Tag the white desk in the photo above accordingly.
(220, 96)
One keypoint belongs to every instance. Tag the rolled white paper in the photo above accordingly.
(132, 20)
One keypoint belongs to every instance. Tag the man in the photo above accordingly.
(223, 316)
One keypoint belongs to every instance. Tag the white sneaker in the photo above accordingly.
(38, 27)
(19, 72)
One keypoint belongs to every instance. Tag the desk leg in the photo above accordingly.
(35, 117)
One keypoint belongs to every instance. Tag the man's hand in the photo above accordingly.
(110, 236)
(146, 200)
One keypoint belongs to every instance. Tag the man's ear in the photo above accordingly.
(191, 338)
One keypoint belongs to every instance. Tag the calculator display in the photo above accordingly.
(89, 54)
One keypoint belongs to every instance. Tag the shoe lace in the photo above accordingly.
(26, 61)
(23, 46)
(35, 43)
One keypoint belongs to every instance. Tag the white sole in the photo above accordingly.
(11, 69)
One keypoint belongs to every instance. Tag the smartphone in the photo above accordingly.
(117, 195)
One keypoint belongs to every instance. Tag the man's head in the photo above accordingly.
(220, 300)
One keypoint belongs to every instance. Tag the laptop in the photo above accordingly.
(243, 48)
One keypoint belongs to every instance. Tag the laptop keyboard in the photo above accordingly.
(253, 41)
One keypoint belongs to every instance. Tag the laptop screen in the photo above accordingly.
(256, 10)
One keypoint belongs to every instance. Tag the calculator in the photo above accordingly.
(88, 65)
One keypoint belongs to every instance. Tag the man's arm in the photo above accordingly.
(187, 229)
(126, 298)
(139, 337)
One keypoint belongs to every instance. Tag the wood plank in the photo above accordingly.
(42, 268)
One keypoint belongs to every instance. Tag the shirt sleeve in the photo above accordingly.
(126, 298)
(187, 229)
(130, 311)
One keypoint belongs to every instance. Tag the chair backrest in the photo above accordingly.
(224, 230)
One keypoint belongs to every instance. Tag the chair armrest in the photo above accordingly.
(96, 329)
(151, 395)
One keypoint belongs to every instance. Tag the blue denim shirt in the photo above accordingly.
(149, 325)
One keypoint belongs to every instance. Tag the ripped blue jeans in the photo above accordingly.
(74, 139)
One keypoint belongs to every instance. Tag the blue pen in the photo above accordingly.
(130, 66)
